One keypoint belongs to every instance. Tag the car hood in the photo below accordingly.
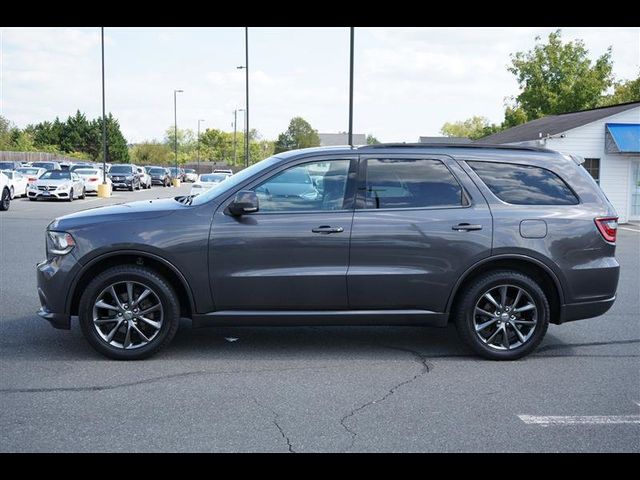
(134, 211)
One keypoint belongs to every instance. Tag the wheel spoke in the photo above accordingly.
(142, 335)
(142, 296)
(115, 296)
(503, 296)
(113, 332)
(484, 312)
(127, 338)
(153, 323)
(517, 299)
(100, 321)
(492, 300)
(493, 335)
(484, 325)
(150, 309)
(505, 337)
(519, 334)
(129, 293)
(525, 322)
(527, 307)
(105, 305)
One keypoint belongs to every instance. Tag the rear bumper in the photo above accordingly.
(579, 311)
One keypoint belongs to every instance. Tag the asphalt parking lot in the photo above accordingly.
(309, 389)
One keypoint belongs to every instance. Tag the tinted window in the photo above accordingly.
(213, 177)
(121, 169)
(409, 183)
(157, 171)
(56, 175)
(6, 166)
(523, 184)
(310, 186)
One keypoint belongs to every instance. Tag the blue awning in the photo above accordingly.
(623, 137)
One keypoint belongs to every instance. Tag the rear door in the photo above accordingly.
(419, 223)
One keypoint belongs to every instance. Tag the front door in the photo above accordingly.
(419, 223)
(293, 253)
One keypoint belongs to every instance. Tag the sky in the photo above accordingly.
(407, 83)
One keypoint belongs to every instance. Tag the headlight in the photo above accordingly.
(60, 243)
(32, 186)
(64, 186)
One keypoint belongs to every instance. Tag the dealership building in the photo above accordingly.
(609, 140)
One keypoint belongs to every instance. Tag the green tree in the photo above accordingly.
(151, 153)
(557, 77)
(300, 134)
(371, 140)
(473, 128)
(623, 92)
(117, 148)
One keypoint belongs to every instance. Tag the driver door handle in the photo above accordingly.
(466, 227)
(327, 229)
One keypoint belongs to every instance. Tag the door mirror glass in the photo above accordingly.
(246, 201)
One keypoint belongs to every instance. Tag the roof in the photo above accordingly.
(331, 139)
(447, 140)
(554, 124)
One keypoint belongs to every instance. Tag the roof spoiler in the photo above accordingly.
(578, 159)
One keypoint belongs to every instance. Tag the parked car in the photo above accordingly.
(499, 240)
(124, 176)
(5, 165)
(160, 176)
(5, 192)
(223, 170)
(17, 183)
(190, 175)
(206, 181)
(145, 178)
(47, 165)
(176, 173)
(92, 177)
(79, 165)
(57, 184)
(32, 173)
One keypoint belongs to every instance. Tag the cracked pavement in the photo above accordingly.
(305, 389)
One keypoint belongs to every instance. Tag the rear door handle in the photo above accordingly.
(466, 227)
(327, 229)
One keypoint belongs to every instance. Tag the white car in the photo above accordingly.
(206, 181)
(5, 193)
(190, 175)
(57, 184)
(92, 177)
(145, 178)
(17, 183)
(32, 173)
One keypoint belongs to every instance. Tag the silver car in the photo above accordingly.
(57, 184)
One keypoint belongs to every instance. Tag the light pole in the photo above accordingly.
(351, 91)
(199, 145)
(175, 133)
(103, 190)
(235, 123)
(246, 106)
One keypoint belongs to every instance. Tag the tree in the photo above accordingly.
(623, 92)
(473, 128)
(300, 134)
(371, 140)
(151, 153)
(558, 77)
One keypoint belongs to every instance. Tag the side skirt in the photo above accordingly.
(331, 317)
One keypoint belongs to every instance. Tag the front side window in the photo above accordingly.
(312, 186)
(524, 184)
(411, 183)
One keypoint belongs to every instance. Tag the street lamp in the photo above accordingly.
(175, 133)
(103, 190)
(235, 122)
(199, 145)
(246, 106)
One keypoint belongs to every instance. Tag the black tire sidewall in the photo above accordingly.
(5, 199)
(143, 275)
(466, 306)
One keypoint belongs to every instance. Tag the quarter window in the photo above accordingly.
(411, 183)
(313, 186)
(524, 184)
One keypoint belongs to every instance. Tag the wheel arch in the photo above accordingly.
(539, 271)
(132, 257)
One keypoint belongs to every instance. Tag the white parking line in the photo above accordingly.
(545, 421)
(630, 229)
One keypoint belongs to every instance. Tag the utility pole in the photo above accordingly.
(103, 190)
(351, 91)
(199, 145)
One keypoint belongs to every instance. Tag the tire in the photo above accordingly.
(33, 199)
(466, 318)
(84, 194)
(142, 278)
(132, 188)
(70, 195)
(13, 193)
(138, 187)
(5, 199)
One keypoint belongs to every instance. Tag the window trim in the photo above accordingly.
(484, 184)
(361, 199)
(348, 199)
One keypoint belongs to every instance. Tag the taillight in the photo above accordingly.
(93, 179)
(32, 179)
(608, 227)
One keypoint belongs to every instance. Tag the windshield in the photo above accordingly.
(56, 175)
(157, 171)
(6, 165)
(43, 164)
(85, 171)
(235, 180)
(120, 169)
(8, 173)
(28, 171)
(190, 170)
(213, 177)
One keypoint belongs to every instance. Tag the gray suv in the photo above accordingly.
(501, 241)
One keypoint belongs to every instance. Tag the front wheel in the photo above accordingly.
(503, 315)
(5, 199)
(129, 312)
(83, 195)
(71, 195)
(13, 193)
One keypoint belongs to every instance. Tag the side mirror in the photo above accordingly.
(246, 201)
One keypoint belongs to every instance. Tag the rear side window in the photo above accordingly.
(411, 183)
(524, 184)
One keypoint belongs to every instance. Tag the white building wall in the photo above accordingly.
(615, 169)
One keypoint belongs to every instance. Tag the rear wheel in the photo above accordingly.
(5, 199)
(70, 199)
(503, 315)
(129, 312)
(132, 188)
(84, 194)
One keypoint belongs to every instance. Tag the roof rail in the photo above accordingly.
(454, 145)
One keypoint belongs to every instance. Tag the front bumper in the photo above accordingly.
(49, 194)
(53, 279)
(121, 183)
